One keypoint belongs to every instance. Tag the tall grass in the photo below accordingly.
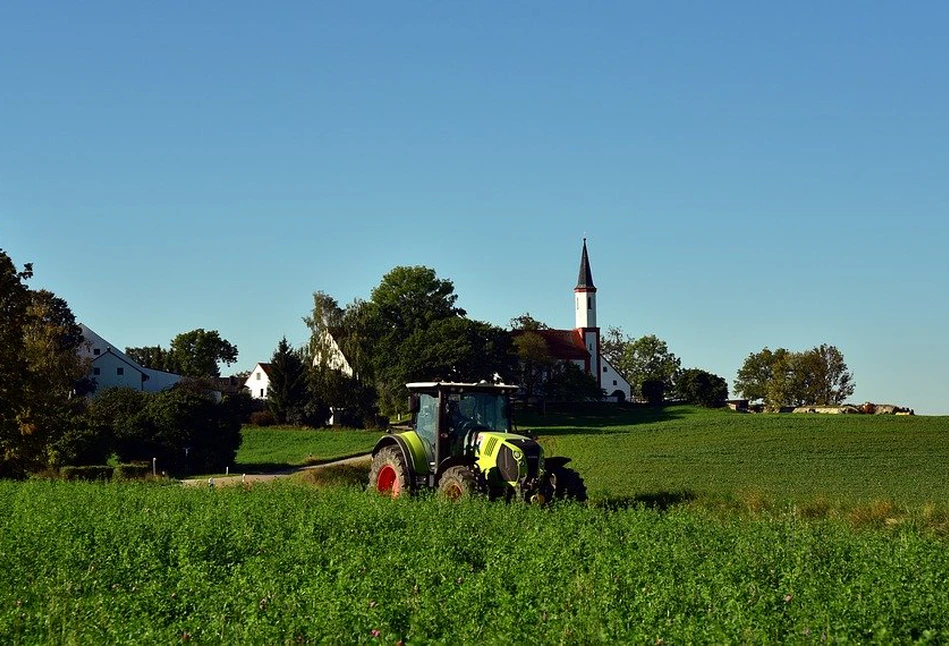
(276, 564)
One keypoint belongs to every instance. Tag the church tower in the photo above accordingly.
(584, 297)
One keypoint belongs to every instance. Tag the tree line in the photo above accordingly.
(47, 421)
(409, 329)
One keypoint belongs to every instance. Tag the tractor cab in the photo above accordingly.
(449, 416)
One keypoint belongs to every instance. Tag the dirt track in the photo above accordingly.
(219, 481)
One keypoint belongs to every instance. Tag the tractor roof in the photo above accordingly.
(451, 386)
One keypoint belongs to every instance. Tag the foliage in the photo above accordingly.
(701, 388)
(41, 375)
(781, 378)
(410, 329)
(287, 393)
(567, 382)
(197, 353)
(534, 361)
(648, 359)
(89, 472)
(183, 430)
(277, 564)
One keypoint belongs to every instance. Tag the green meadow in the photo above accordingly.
(704, 526)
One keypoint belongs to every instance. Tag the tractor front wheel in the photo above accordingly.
(458, 482)
(389, 474)
(567, 484)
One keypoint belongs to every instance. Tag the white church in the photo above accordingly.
(581, 345)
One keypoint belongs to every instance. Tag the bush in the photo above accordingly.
(94, 472)
(132, 471)
(262, 418)
(701, 388)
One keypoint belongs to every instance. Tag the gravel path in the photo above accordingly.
(242, 478)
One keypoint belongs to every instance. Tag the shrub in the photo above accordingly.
(262, 418)
(132, 471)
(93, 472)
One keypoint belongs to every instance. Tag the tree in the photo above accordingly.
(568, 382)
(535, 361)
(613, 345)
(781, 378)
(41, 375)
(14, 300)
(648, 359)
(153, 356)
(198, 352)
(701, 388)
(286, 396)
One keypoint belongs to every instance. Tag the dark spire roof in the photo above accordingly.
(585, 279)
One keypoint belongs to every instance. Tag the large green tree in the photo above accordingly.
(197, 353)
(647, 361)
(287, 393)
(701, 388)
(41, 374)
(783, 378)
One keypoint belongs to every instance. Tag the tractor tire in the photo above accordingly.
(458, 482)
(389, 474)
(567, 484)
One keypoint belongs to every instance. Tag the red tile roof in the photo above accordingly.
(566, 345)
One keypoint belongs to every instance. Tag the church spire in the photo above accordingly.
(585, 279)
(584, 294)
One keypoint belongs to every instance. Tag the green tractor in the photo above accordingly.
(461, 443)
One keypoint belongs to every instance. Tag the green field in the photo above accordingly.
(786, 458)
(704, 526)
(269, 449)
(286, 564)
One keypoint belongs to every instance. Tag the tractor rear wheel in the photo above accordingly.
(458, 482)
(567, 484)
(389, 474)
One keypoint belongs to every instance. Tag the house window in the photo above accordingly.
(604, 369)
(95, 371)
(96, 351)
(262, 392)
(258, 379)
(614, 382)
(120, 371)
(589, 303)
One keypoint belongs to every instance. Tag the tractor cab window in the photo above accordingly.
(425, 420)
(486, 411)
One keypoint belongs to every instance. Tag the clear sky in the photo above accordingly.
(748, 174)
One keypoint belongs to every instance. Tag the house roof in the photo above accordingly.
(265, 367)
(566, 345)
(585, 278)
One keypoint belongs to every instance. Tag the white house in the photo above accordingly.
(581, 345)
(113, 368)
(258, 381)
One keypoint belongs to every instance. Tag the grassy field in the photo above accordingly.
(268, 449)
(286, 564)
(786, 458)
(705, 526)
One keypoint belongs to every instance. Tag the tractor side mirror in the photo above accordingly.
(413, 404)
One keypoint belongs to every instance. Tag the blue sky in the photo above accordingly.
(747, 174)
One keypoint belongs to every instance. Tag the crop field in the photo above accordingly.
(703, 526)
(283, 563)
(786, 458)
(278, 448)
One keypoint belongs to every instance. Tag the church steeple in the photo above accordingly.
(585, 279)
(584, 294)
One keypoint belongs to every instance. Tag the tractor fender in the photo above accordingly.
(555, 463)
(409, 445)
